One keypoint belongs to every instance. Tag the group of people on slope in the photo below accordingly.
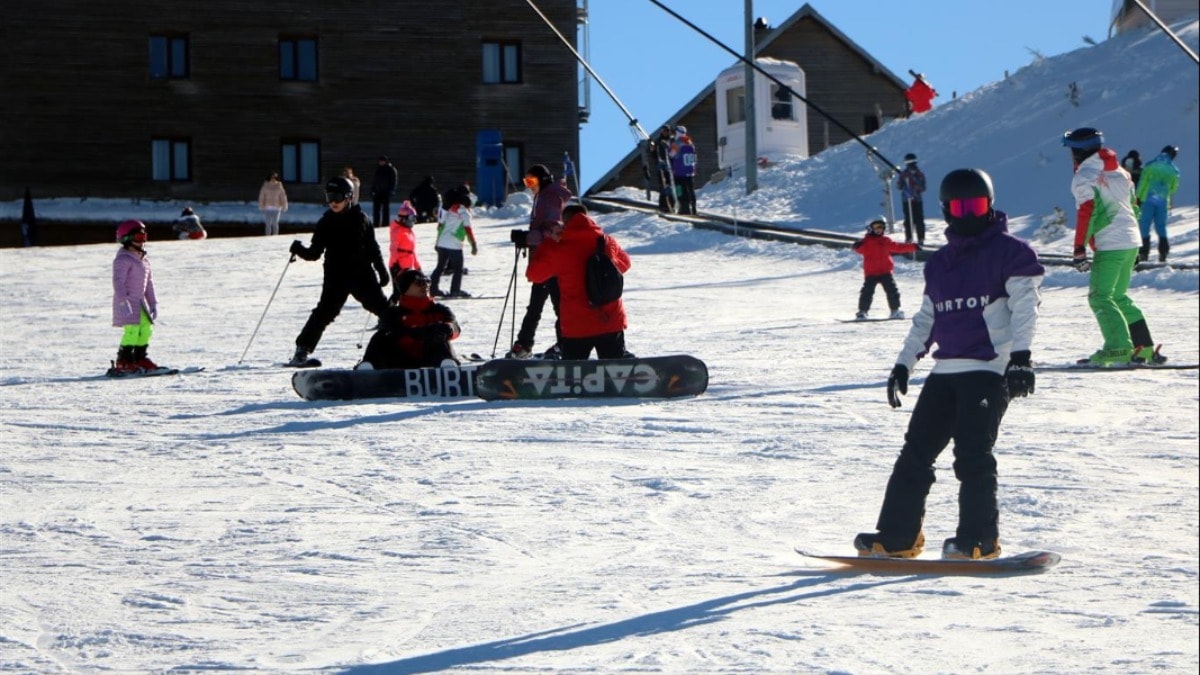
(675, 163)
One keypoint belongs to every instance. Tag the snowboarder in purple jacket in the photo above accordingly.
(980, 308)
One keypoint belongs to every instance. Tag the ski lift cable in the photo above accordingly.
(870, 149)
(640, 132)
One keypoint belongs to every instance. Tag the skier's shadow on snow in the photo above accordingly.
(578, 636)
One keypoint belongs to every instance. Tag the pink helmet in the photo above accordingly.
(127, 228)
(406, 209)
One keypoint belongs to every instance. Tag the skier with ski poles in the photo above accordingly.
(550, 197)
(345, 236)
(911, 182)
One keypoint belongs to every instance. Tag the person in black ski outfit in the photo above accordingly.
(382, 189)
(345, 237)
(662, 158)
(426, 199)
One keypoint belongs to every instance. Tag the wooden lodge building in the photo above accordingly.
(842, 78)
(200, 101)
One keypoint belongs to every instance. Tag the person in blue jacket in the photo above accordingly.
(1155, 187)
(980, 308)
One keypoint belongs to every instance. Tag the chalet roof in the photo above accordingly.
(804, 12)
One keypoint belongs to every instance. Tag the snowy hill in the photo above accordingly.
(215, 521)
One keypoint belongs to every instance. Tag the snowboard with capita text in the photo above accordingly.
(1027, 562)
(337, 385)
(652, 377)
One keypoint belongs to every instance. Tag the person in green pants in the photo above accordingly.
(1105, 220)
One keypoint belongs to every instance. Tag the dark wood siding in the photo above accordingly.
(838, 79)
(400, 78)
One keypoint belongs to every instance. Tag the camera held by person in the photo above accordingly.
(519, 238)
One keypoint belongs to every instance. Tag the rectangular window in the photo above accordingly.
(501, 62)
(169, 57)
(298, 59)
(301, 161)
(514, 163)
(735, 105)
(171, 159)
(781, 104)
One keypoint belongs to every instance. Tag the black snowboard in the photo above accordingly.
(334, 385)
(653, 377)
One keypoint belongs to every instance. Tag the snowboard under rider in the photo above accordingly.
(979, 307)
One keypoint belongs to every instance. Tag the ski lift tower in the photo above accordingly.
(585, 80)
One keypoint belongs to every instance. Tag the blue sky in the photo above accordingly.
(654, 63)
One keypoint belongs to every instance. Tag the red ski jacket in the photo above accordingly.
(877, 250)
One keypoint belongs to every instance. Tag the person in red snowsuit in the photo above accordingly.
(876, 249)
(563, 255)
(920, 95)
(403, 245)
(415, 331)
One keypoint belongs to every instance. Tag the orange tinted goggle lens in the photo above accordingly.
(972, 206)
(531, 182)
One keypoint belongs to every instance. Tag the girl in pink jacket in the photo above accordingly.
(134, 304)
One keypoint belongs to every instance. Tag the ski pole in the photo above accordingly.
(291, 259)
(510, 292)
(363, 334)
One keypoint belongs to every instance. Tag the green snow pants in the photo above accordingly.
(138, 334)
(1108, 296)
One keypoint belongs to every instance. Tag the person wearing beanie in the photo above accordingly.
(415, 331)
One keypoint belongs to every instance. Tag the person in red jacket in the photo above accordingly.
(415, 331)
(920, 95)
(563, 254)
(403, 247)
(876, 249)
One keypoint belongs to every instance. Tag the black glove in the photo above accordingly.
(1019, 375)
(1080, 261)
(898, 382)
(297, 248)
(857, 244)
(439, 331)
(383, 275)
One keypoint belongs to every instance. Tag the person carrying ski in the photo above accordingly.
(920, 95)
(683, 166)
(1159, 181)
(452, 231)
(345, 237)
(550, 197)
(1105, 220)
(661, 148)
(563, 256)
(402, 252)
(980, 307)
(415, 331)
(134, 304)
(877, 248)
(911, 182)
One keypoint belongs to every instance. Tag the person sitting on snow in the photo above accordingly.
(415, 331)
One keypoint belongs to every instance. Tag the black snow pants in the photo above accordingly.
(867, 294)
(335, 289)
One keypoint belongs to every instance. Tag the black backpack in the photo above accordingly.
(602, 278)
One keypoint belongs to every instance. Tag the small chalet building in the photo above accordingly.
(200, 101)
(841, 78)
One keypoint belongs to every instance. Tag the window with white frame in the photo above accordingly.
(501, 62)
(171, 159)
(735, 105)
(301, 161)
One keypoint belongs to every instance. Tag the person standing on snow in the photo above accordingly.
(1159, 181)
(661, 147)
(911, 182)
(382, 188)
(980, 307)
(426, 200)
(402, 251)
(454, 229)
(876, 249)
(1132, 162)
(563, 256)
(920, 95)
(272, 201)
(550, 197)
(1104, 220)
(345, 237)
(683, 166)
(135, 306)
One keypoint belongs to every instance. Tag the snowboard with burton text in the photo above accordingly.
(335, 385)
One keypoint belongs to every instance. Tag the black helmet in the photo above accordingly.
(1170, 151)
(1084, 138)
(965, 183)
(540, 172)
(910, 157)
(338, 189)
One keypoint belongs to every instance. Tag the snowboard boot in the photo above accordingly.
(125, 362)
(860, 315)
(1150, 356)
(518, 351)
(1139, 333)
(1108, 357)
(875, 545)
(299, 358)
(1144, 251)
(553, 353)
(956, 548)
(896, 314)
(143, 361)
(1164, 247)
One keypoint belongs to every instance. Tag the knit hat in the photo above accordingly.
(406, 209)
(406, 279)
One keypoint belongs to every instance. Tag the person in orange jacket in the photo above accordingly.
(920, 95)
(563, 255)
(403, 244)
(876, 249)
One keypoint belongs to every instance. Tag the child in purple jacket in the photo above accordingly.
(134, 304)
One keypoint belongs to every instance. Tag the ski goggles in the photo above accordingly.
(531, 182)
(971, 206)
